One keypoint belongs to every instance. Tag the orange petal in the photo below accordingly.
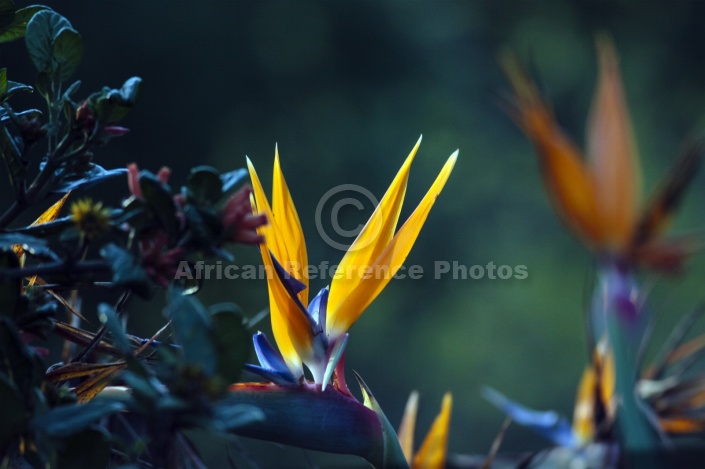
(52, 212)
(658, 211)
(567, 179)
(369, 244)
(435, 447)
(681, 425)
(667, 255)
(287, 220)
(612, 153)
(291, 329)
(383, 268)
(49, 214)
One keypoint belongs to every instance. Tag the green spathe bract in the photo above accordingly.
(305, 416)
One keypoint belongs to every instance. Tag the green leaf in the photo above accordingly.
(43, 85)
(71, 90)
(204, 185)
(393, 455)
(36, 246)
(13, 87)
(13, 418)
(126, 271)
(108, 316)
(144, 389)
(306, 417)
(112, 105)
(159, 199)
(232, 341)
(17, 27)
(42, 31)
(194, 330)
(67, 51)
(73, 418)
(89, 448)
(130, 90)
(84, 180)
(229, 414)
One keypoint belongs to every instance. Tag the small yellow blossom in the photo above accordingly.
(91, 218)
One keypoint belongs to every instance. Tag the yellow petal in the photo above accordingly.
(271, 231)
(291, 329)
(49, 214)
(52, 212)
(406, 428)
(383, 268)
(584, 412)
(287, 219)
(568, 181)
(372, 240)
(612, 153)
(603, 362)
(435, 447)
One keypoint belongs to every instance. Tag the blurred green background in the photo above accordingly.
(345, 88)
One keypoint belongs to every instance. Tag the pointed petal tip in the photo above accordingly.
(448, 398)
(454, 156)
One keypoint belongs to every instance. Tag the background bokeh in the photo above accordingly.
(345, 88)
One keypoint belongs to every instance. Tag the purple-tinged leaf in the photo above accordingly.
(307, 417)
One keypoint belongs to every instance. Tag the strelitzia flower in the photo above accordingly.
(598, 196)
(434, 449)
(315, 333)
(674, 401)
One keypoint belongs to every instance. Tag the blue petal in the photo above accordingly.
(334, 358)
(318, 308)
(292, 285)
(271, 360)
(274, 376)
(547, 424)
(231, 178)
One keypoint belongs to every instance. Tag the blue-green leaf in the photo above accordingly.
(108, 316)
(231, 342)
(67, 51)
(16, 28)
(74, 181)
(40, 35)
(204, 185)
(194, 330)
(73, 418)
(126, 271)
